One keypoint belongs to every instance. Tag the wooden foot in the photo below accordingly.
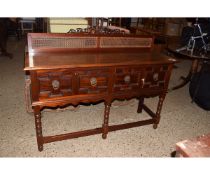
(40, 147)
(104, 136)
(155, 126)
(174, 154)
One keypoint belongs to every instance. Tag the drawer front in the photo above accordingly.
(93, 81)
(56, 83)
(155, 77)
(127, 79)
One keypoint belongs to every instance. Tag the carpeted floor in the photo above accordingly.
(180, 120)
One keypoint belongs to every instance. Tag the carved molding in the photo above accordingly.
(94, 30)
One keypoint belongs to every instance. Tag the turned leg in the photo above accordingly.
(105, 127)
(38, 125)
(140, 106)
(159, 107)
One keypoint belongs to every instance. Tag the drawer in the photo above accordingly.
(54, 84)
(93, 81)
(127, 79)
(155, 77)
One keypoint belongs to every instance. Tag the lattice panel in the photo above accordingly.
(64, 42)
(125, 42)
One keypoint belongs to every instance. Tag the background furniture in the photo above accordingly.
(196, 59)
(63, 25)
(118, 22)
(27, 25)
(13, 28)
(196, 147)
(4, 28)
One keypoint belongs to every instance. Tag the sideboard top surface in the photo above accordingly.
(55, 60)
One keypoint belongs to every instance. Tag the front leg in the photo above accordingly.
(159, 107)
(38, 125)
(140, 106)
(105, 127)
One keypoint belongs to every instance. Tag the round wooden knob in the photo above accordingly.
(93, 81)
(55, 84)
(127, 79)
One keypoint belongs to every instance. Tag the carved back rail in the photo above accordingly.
(44, 42)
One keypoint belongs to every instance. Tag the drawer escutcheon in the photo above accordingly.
(55, 84)
(155, 76)
(93, 81)
(127, 79)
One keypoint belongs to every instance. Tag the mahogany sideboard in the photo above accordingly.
(79, 68)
